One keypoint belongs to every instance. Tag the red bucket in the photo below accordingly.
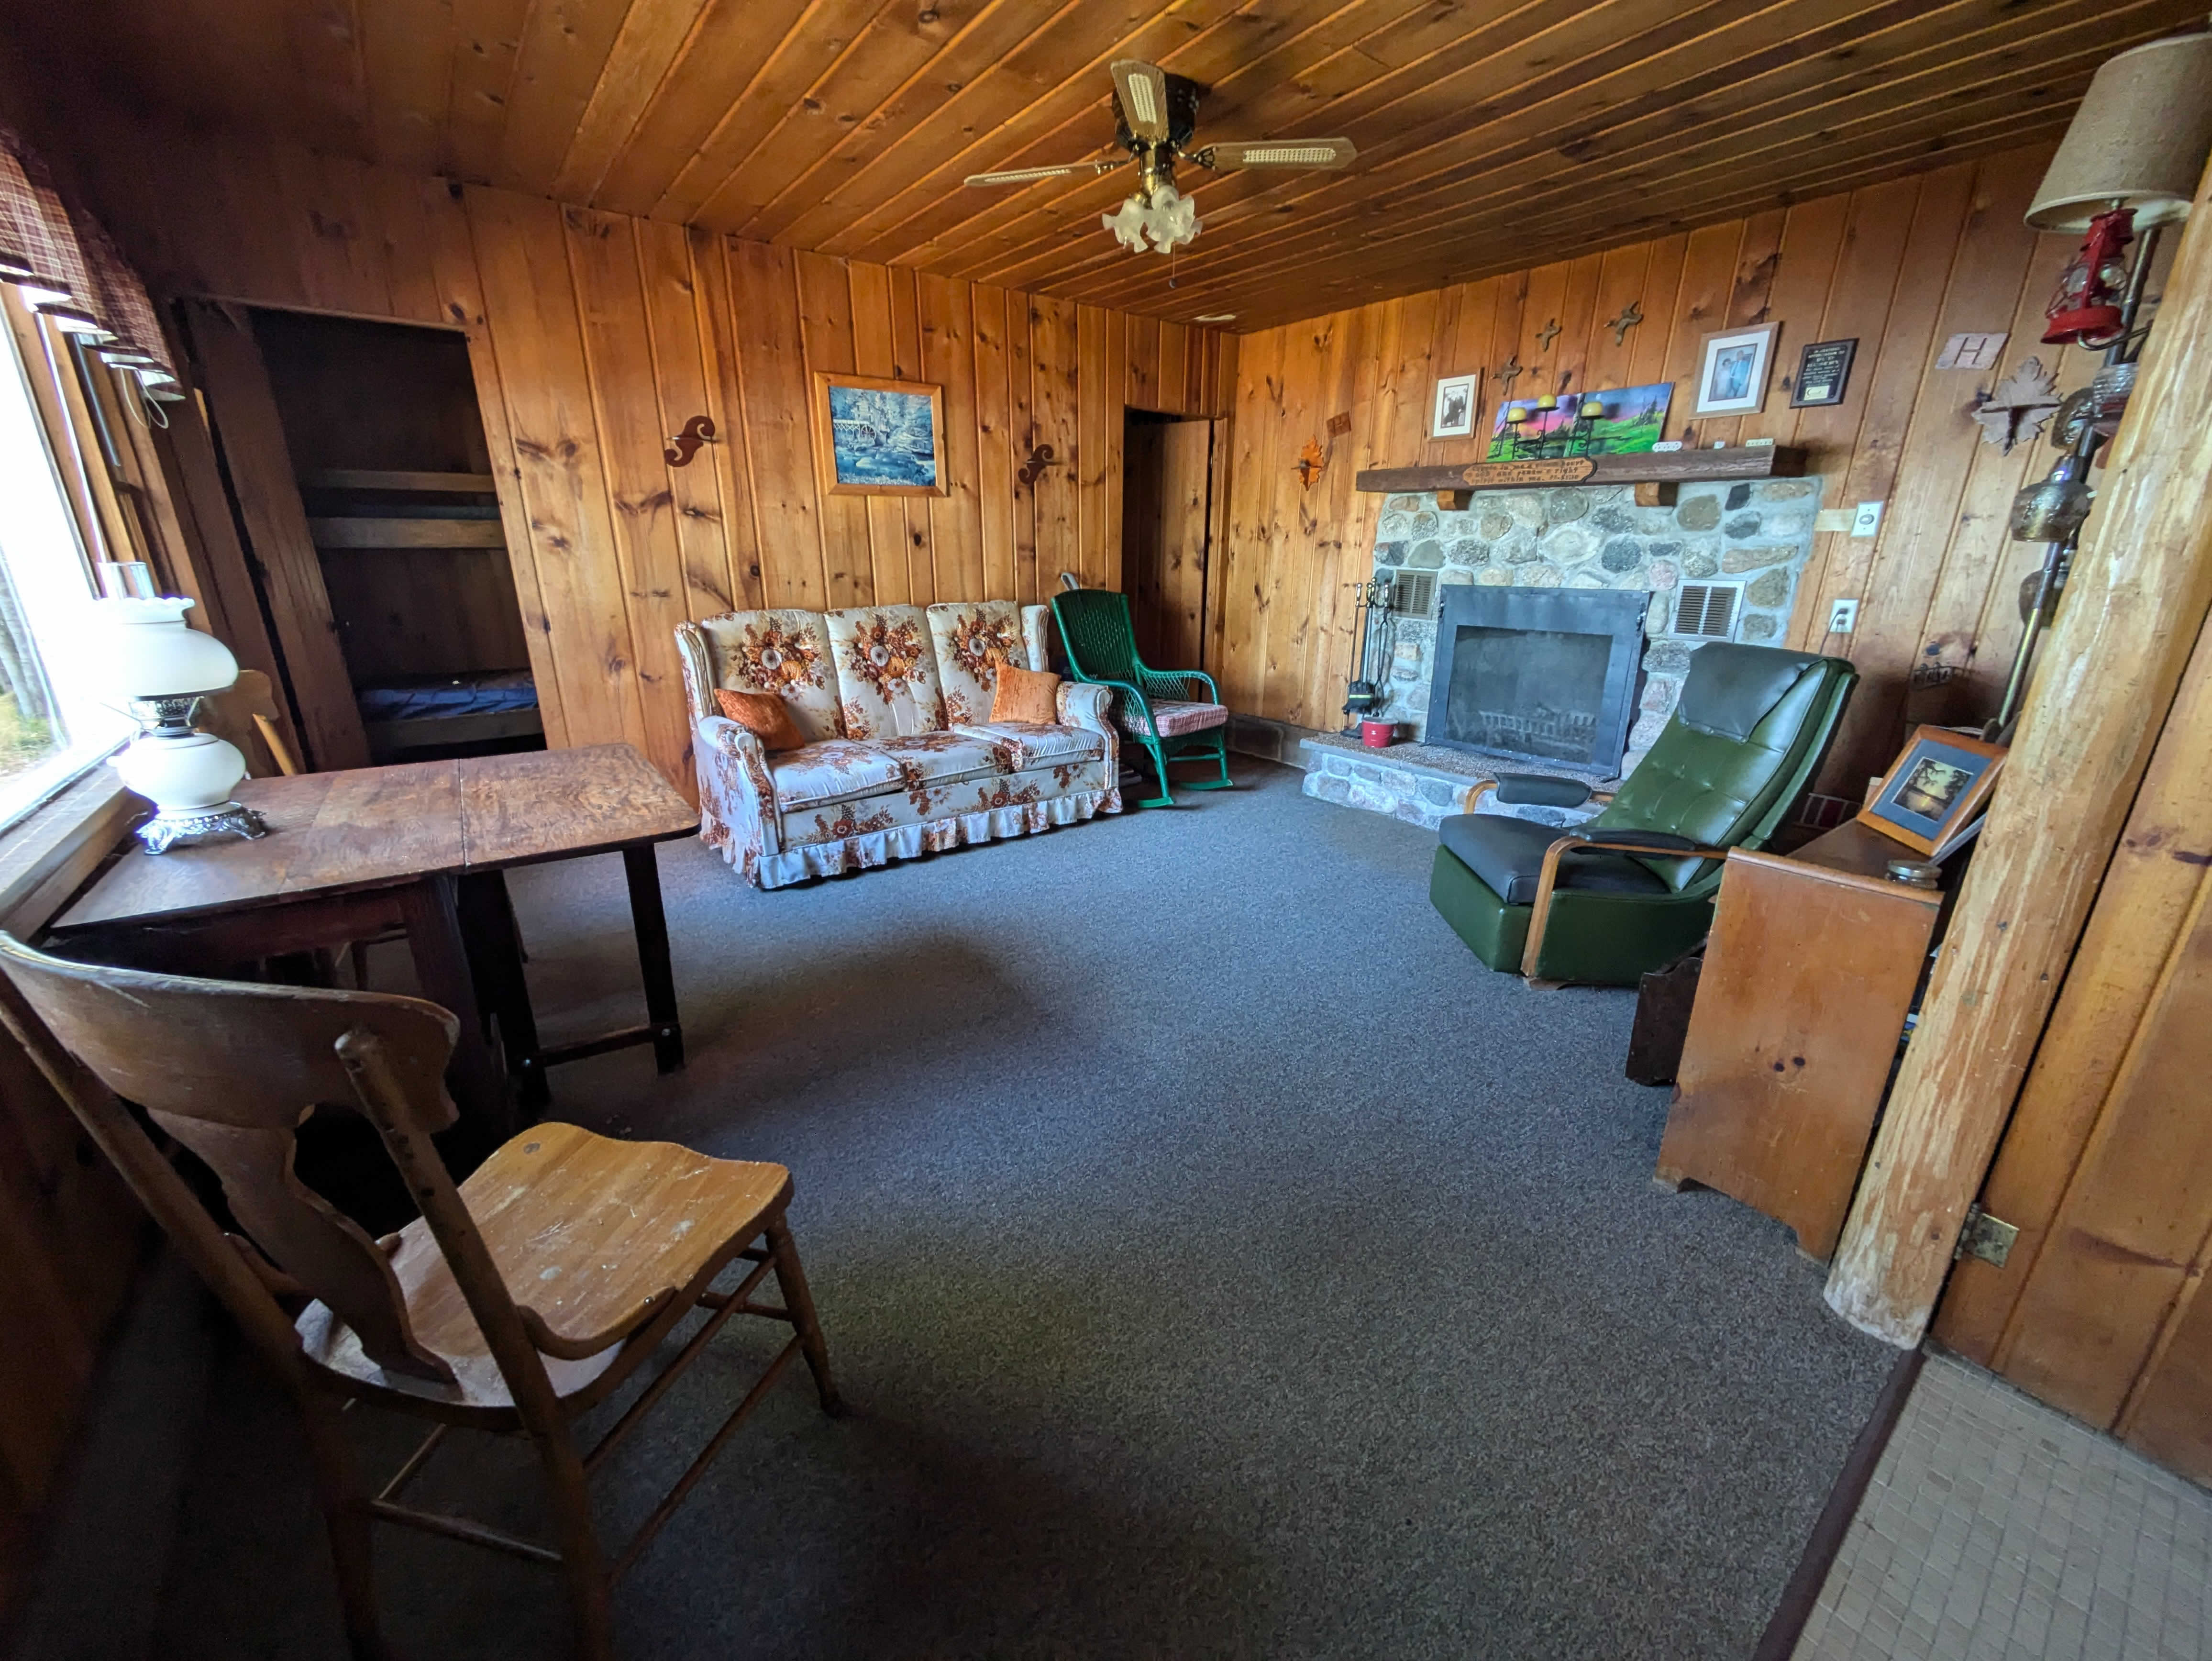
(1378, 734)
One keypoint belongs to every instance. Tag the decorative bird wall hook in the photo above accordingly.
(697, 431)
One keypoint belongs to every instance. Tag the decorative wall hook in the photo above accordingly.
(1031, 471)
(1628, 318)
(697, 431)
(1509, 372)
(1311, 460)
(1549, 332)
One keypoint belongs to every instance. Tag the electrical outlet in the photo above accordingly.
(1843, 616)
(1867, 520)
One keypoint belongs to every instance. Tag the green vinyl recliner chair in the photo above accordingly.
(1174, 714)
(1632, 888)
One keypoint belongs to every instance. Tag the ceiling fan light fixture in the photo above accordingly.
(1163, 215)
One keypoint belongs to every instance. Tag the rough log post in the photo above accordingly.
(2139, 594)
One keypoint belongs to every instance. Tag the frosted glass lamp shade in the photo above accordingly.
(156, 656)
(2139, 139)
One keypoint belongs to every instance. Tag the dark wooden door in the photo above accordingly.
(1166, 483)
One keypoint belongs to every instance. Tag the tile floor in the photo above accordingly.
(1996, 1527)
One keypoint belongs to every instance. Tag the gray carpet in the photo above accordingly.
(1219, 1262)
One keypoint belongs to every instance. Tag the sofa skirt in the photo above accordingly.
(871, 849)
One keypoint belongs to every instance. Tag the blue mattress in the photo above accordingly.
(489, 693)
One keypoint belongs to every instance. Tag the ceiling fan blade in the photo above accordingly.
(1029, 175)
(1277, 152)
(1143, 90)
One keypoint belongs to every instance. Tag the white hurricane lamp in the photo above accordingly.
(163, 668)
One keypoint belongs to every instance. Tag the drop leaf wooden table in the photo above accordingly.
(425, 845)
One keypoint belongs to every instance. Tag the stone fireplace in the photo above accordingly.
(1748, 540)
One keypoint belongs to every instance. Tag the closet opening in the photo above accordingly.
(356, 456)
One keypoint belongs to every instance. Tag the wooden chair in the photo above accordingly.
(245, 713)
(514, 1304)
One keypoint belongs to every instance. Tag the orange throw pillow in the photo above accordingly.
(1027, 695)
(762, 714)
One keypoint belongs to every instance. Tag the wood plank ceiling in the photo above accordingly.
(1493, 136)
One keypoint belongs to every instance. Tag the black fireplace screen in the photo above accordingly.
(1537, 674)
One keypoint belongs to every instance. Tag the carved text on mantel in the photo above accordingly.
(1560, 470)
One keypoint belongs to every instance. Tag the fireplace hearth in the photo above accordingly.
(1537, 675)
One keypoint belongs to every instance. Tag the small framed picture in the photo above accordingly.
(1456, 396)
(876, 437)
(1824, 371)
(1732, 370)
(1934, 790)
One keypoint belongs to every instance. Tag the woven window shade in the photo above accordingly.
(47, 244)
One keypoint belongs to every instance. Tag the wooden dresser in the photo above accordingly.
(1807, 981)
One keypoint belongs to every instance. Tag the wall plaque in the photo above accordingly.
(1823, 370)
(1495, 475)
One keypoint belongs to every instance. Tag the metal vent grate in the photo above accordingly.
(1413, 594)
(1707, 610)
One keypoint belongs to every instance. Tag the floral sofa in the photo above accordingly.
(901, 757)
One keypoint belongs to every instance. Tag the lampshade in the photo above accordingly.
(2138, 140)
(154, 654)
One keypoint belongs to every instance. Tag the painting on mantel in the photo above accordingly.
(1634, 420)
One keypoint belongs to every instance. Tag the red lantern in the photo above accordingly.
(2085, 310)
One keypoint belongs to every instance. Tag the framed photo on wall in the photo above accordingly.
(1934, 790)
(878, 437)
(1732, 370)
(1456, 398)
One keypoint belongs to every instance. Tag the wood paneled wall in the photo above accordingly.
(592, 335)
(1900, 266)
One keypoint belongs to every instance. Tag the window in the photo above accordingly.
(59, 711)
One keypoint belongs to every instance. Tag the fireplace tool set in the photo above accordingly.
(1364, 699)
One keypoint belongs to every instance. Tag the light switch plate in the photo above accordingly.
(1843, 616)
(1867, 519)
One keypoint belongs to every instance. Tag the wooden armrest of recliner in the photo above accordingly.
(1654, 845)
(1489, 787)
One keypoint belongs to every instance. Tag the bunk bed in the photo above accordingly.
(367, 514)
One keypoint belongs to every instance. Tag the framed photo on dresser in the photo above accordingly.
(1934, 790)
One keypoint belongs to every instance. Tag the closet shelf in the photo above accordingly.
(370, 478)
(366, 532)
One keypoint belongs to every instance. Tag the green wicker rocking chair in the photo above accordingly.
(1176, 715)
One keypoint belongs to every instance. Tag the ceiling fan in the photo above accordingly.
(1155, 115)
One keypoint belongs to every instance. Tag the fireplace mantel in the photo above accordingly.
(1658, 467)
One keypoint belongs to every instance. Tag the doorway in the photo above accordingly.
(1167, 517)
(361, 483)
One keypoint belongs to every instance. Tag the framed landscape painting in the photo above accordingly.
(878, 437)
